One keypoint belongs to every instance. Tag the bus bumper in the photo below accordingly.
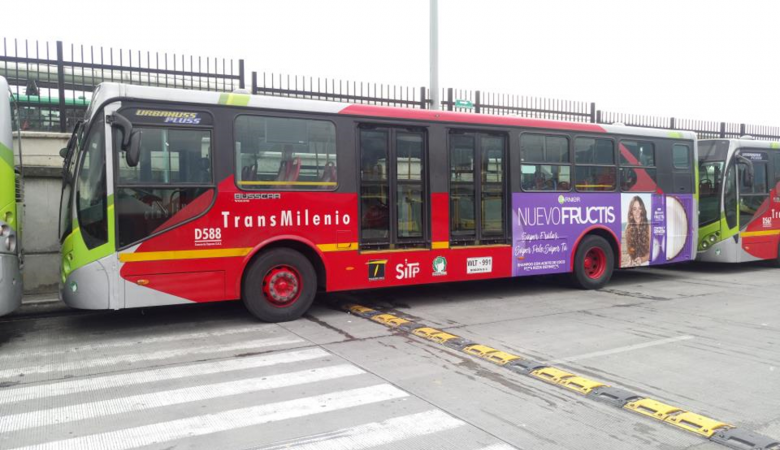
(725, 251)
(10, 283)
(86, 287)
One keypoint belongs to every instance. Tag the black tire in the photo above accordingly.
(580, 276)
(776, 262)
(253, 291)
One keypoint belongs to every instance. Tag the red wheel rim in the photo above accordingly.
(595, 263)
(282, 286)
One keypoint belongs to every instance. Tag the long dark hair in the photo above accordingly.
(637, 234)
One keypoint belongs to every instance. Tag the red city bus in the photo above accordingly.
(174, 196)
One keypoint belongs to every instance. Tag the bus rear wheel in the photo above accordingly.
(594, 263)
(279, 286)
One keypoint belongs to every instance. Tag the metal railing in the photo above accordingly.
(53, 83)
(53, 86)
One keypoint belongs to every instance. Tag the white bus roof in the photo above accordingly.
(108, 91)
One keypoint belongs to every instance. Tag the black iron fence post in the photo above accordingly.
(254, 83)
(742, 131)
(593, 112)
(450, 101)
(241, 74)
(61, 87)
(598, 117)
(723, 130)
(423, 100)
(672, 124)
(477, 102)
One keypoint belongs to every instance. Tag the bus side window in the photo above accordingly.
(546, 165)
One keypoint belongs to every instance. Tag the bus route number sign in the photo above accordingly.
(479, 265)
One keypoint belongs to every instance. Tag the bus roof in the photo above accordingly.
(108, 91)
(748, 142)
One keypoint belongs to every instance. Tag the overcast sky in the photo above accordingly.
(714, 60)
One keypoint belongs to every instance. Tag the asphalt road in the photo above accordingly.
(705, 338)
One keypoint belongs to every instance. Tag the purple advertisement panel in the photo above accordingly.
(546, 227)
(652, 228)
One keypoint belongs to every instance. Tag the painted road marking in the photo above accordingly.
(135, 403)
(226, 420)
(626, 348)
(37, 391)
(376, 433)
(134, 342)
(707, 427)
(499, 447)
(153, 356)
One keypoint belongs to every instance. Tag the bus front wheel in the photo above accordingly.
(279, 286)
(594, 262)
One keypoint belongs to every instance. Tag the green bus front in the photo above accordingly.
(10, 206)
(739, 201)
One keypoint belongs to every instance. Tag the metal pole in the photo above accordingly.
(434, 55)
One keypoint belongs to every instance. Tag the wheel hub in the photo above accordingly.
(282, 286)
(595, 263)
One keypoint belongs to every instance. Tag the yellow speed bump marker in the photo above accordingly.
(697, 424)
(479, 350)
(580, 385)
(501, 358)
(390, 320)
(432, 334)
(357, 309)
(652, 408)
(551, 374)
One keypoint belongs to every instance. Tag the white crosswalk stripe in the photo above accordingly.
(167, 398)
(37, 391)
(133, 342)
(376, 434)
(227, 420)
(149, 356)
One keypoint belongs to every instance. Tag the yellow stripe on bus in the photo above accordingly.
(184, 254)
(287, 183)
(760, 233)
(440, 245)
(338, 247)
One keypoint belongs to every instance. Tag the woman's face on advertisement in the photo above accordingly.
(636, 212)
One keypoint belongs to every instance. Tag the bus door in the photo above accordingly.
(393, 208)
(88, 261)
(170, 184)
(753, 179)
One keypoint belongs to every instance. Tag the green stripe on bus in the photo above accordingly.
(675, 135)
(234, 99)
(775, 145)
(7, 155)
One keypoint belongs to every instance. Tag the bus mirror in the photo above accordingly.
(63, 152)
(119, 121)
(747, 178)
(134, 149)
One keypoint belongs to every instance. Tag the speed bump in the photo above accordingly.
(432, 334)
(652, 408)
(390, 320)
(551, 374)
(479, 350)
(697, 424)
(716, 431)
(580, 385)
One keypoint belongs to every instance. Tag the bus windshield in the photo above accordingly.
(712, 159)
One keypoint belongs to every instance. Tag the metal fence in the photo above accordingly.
(479, 102)
(53, 83)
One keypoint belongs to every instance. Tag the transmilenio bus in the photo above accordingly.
(739, 200)
(11, 207)
(174, 196)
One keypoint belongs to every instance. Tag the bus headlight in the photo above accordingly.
(713, 238)
(10, 243)
(704, 245)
